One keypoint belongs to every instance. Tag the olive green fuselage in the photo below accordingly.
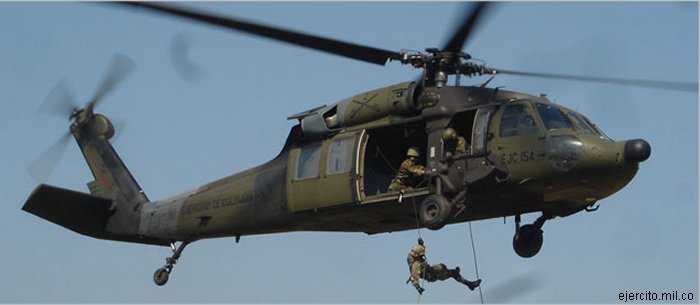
(559, 171)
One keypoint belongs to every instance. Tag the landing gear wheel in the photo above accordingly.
(527, 241)
(434, 212)
(160, 277)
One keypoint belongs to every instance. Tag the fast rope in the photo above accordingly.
(415, 208)
(476, 265)
(415, 211)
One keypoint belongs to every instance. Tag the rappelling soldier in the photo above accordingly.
(420, 268)
(410, 173)
(453, 144)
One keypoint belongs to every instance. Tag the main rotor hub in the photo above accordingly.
(439, 65)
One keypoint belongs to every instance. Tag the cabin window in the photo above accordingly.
(308, 162)
(586, 129)
(517, 121)
(340, 155)
(552, 117)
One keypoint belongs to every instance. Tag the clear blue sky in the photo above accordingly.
(181, 134)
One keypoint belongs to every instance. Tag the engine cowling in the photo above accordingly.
(395, 100)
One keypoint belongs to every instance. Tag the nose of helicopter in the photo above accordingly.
(637, 150)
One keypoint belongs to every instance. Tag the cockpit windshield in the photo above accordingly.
(552, 117)
(585, 125)
(517, 121)
(580, 122)
(598, 131)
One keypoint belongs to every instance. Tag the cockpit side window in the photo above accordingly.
(576, 118)
(517, 121)
(552, 117)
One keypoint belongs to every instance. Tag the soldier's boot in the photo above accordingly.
(419, 289)
(473, 284)
(470, 284)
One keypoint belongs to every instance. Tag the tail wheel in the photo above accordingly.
(160, 277)
(434, 212)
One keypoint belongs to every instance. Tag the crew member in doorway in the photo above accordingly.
(419, 268)
(410, 173)
(453, 144)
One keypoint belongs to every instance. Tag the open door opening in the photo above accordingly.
(384, 151)
(463, 123)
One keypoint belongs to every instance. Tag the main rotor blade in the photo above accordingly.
(658, 84)
(180, 46)
(60, 101)
(459, 38)
(42, 167)
(333, 46)
(120, 67)
(515, 287)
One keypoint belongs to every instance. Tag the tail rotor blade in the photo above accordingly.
(120, 67)
(42, 167)
(119, 126)
(60, 101)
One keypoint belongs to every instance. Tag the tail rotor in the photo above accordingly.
(61, 101)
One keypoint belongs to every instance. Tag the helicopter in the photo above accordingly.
(350, 148)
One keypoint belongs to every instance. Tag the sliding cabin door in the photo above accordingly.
(323, 174)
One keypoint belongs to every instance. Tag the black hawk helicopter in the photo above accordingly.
(525, 154)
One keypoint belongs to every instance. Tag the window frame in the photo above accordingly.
(579, 120)
(563, 115)
(480, 130)
(527, 111)
(348, 151)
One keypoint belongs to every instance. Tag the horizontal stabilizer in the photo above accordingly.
(80, 212)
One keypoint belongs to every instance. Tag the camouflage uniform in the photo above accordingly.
(453, 143)
(419, 268)
(410, 174)
(457, 147)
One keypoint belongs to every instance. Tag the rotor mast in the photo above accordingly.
(439, 65)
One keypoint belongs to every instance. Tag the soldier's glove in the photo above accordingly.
(420, 289)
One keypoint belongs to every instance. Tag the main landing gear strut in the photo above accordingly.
(528, 239)
(160, 277)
